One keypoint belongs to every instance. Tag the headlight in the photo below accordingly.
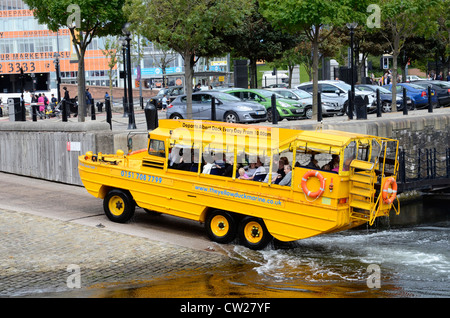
(283, 104)
(327, 104)
(244, 108)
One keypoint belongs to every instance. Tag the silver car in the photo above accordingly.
(338, 90)
(329, 105)
(228, 108)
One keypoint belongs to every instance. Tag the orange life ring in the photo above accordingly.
(387, 190)
(312, 173)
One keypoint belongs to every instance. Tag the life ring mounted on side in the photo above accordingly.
(306, 176)
(389, 190)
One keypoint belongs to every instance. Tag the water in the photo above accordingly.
(412, 261)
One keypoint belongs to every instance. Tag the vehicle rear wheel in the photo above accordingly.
(253, 233)
(220, 226)
(309, 113)
(118, 206)
(231, 117)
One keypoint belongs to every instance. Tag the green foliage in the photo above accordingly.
(96, 18)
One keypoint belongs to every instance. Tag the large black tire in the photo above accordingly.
(253, 233)
(119, 205)
(220, 226)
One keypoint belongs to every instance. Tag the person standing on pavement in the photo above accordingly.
(67, 101)
(88, 101)
(448, 77)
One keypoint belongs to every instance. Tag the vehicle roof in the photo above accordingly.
(250, 137)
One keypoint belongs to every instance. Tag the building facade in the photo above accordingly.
(25, 44)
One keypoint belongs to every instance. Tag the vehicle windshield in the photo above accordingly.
(382, 89)
(301, 93)
(343, 86)
(267, 94)
(415, 86)
(226, 97)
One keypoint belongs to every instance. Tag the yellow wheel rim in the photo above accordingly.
(253, 232)
(116, 205)
(219, 225)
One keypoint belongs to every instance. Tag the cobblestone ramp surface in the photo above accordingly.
(38, 255)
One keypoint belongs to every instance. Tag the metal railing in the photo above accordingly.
(426, 168)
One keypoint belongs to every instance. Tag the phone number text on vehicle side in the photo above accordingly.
(140, 176)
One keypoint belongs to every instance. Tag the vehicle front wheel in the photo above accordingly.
(269, 115)
(220, 226)
(176, 116)
(118, 206)
(253, 233)
(231, 117)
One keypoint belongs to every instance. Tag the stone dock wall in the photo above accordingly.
(50, 150)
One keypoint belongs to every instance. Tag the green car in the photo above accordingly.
(287, 108)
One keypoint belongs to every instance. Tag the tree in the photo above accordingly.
(111, 52)
(192, 28)
(400, 20)
(256, 39)
(92, 18)
(317, 19)
(162, 57)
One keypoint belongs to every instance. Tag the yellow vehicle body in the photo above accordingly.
(252, 210)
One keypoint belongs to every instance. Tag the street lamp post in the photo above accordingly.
(351, 99)
(58, 77)
(131, 121)
(124, 57)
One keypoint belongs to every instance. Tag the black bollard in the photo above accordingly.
(34, 112)
(405, 103)
(64, 110)
(430, 104)
(151, 116)
(364, 107)
(379, 104)
(108, 112)
(350, 105)
(319, 107)
(274, 110)
(93, 112)
(213, 108)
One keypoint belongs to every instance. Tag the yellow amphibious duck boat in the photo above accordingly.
(249, 182)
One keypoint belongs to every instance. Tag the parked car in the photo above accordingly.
(287, 108)
(228, 108)
(441, 88)
(171, 93)
(329, 106)
(339, 91)
(385, 97)
(412, 78)
(417, 93)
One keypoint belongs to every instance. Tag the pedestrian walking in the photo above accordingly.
(41, 105)
(448, 77)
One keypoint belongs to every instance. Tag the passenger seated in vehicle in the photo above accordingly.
(313, 164)
(251, 169)
(208, 166)
(242, 174)
(260, 172)
(286, 181)
(333, 165)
